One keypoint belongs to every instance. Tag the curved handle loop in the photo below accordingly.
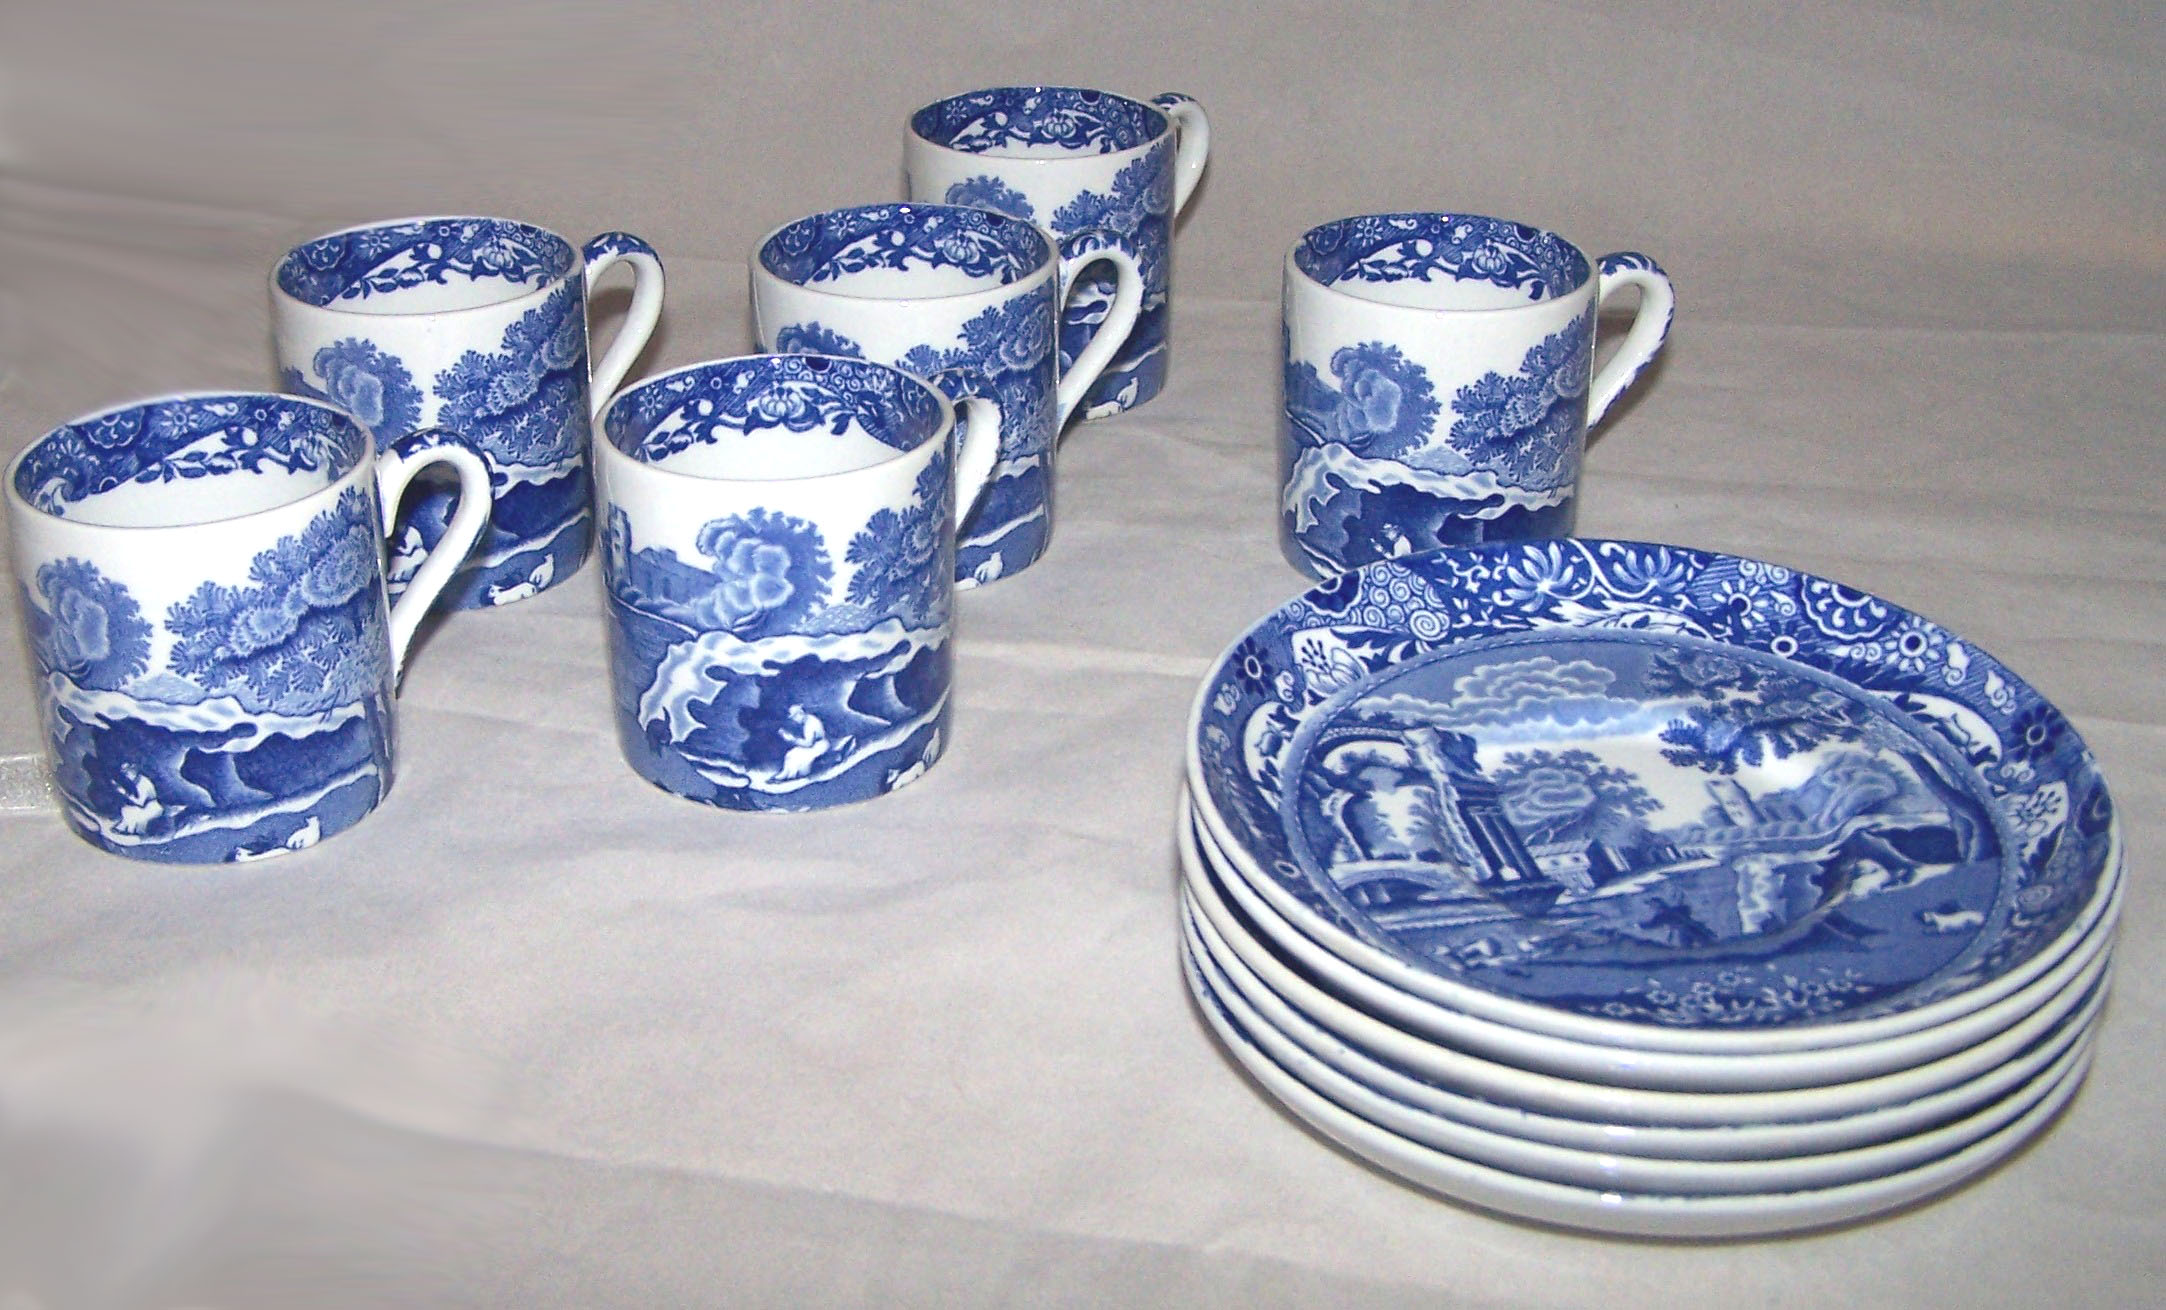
(977, 439)
(1194, 130)
(602, 254)
(1650, 326)
(1079, 251)
(395, 468)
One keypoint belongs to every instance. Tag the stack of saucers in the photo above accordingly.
(1642, 889)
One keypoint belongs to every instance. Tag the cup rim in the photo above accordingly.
(365, 460)
(1044, 268)
(546, 287)
(1590, 279)
(606, 450)
(1165, 126)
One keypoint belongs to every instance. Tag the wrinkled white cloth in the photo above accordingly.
(538, 1033)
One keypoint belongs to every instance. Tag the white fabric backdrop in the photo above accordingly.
(537, 1033)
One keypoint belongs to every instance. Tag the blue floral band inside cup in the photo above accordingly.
(1425, 247)
(904, 237)
(363, 268)
(183, 439)
(1036, 119)
(698, 410)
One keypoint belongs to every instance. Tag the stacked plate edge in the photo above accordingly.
(1725, 898)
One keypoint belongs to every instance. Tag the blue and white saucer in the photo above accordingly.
(1651, 798)
(1783, 1207)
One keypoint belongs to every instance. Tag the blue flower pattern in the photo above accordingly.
(524, 405)
(983, 192)
(1456, 247)
(1140, 209)
(841, 242)
(523, 408)
(1007, 117)
(1366, 474)
(1383, 406)
(180, 440)
(1008, 348)
(397, 257)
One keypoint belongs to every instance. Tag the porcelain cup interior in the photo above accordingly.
(137, 465)
(896, 416)
(1033, 122)
(449, 264)
(888, 252)
(1389, 259)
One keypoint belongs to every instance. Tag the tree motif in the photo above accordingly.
(1559, 795)
(1526, 426)
(897, 554)
(771, 570)
(1748, 715)
(522, 404)
(305, 633)
(89, 629)
(815, 339)
(1384, 404)
(367, 383)
(985, 192)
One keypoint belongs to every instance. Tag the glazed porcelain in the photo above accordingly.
(479, 326)
(202, 578)
(934, 288)
(780, 570)
(1628, 1067)
(1440, 380)
(1641, 796)
(1722, 1142)
(1612, 1167)
(1550, 1093)
(1073, 160)
(1619, 1212)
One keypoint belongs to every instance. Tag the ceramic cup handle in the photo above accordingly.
(1650, 326)
(396, 467)
(1079, 251)
(602, 254)
(977, 441)
(1194, 130)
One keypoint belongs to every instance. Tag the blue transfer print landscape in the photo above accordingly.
(1652, 784)
(1008, 348)
(776, 669)
(1366, 474)
(1008, 351)
(1139, 208)
(264, 728)
(522, 407)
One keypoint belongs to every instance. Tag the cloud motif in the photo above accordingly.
(1542, 688)
(1514, 683)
